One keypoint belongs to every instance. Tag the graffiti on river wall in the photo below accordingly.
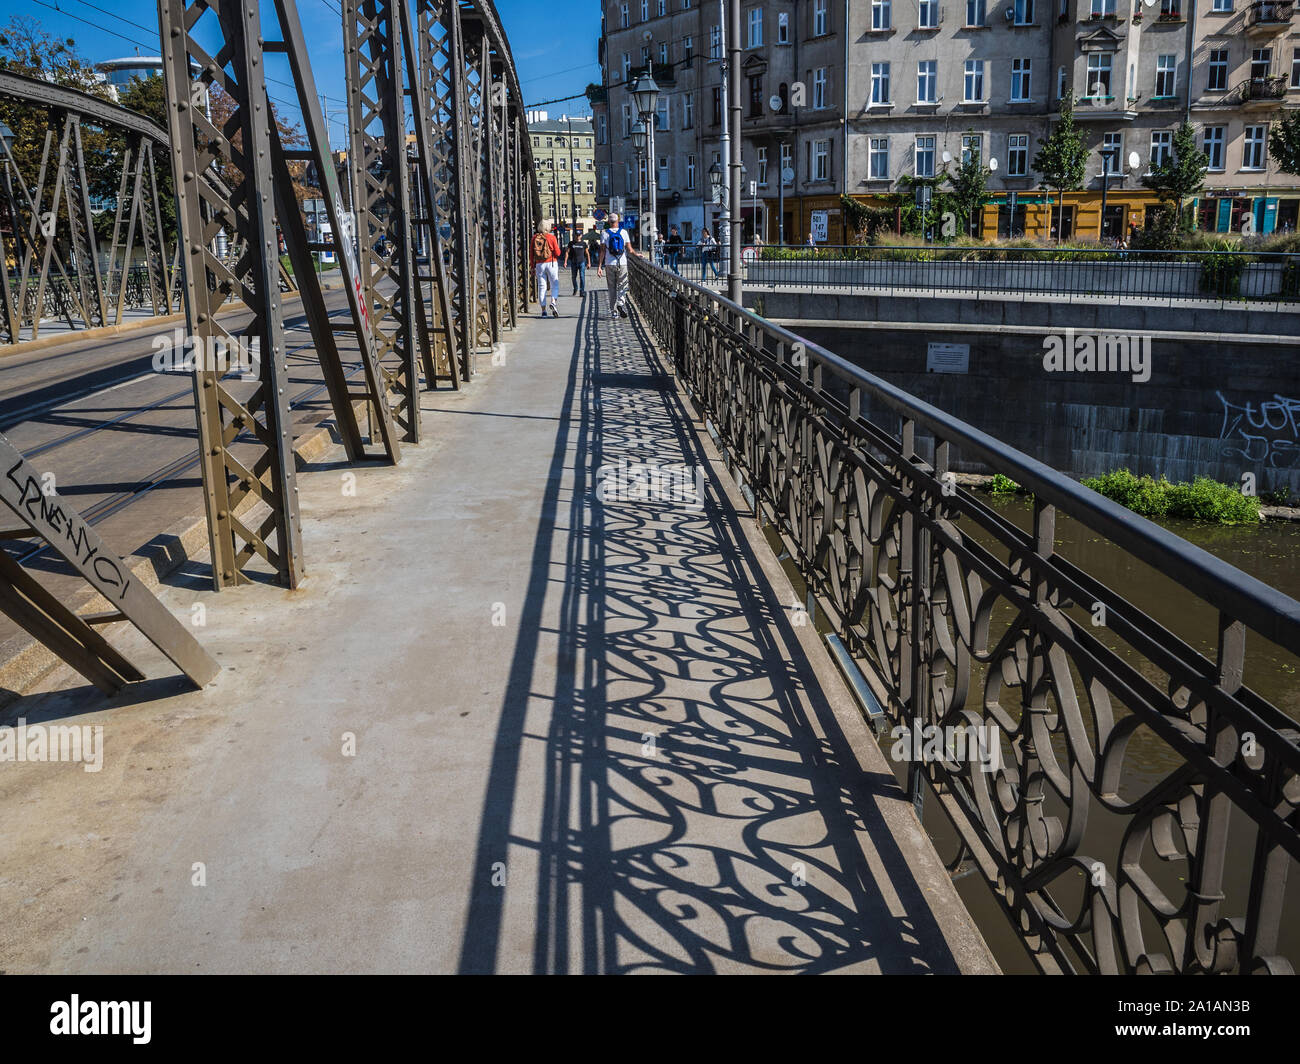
(1264, 431)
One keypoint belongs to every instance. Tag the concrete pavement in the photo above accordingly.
(506, 725)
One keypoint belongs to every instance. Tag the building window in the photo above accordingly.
(971, 148)
(927, 77)
(762, 166)
(1261, 62)
(717, 106)
(690, 171)
(688, 110)
(927, 15)
(1060, 83)
(974, 82)
(755, 27)
(821, 18)
(1102, 8)
(1162, 145)
(1112, 153)
(1165, 83)
(1024, 12)
(604, 181)
(878, 159)
(664, 177)
(661, 7)
(756, 97)
(783, 28)
(1099, 76)
(787, 163)
(622, 16)
(663, 53)
(1295, 69)
(663, 115)
(688, 49)
(880, 14)
(564, 187)
(627, 121)
(1212, 145)
(1017, 154)
(880, 83)
(819, 88)
(715, 42)
(1171, 9)
(1252, 154)
(1020, 86)
(974, 12)
(627, 67)
(925, 156)
(645, 10)
(1218, 71)
(602, 129)
(821, 160)
(645, 55)
(1221, 5)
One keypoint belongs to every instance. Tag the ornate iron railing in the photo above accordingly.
(960, 619)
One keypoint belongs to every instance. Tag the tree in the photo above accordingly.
(1180, 175)
(1062, 158)
(291, 136)
(969, 184)
(1284, 142)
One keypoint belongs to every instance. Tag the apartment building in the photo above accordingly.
(856, 95)
(564, 157)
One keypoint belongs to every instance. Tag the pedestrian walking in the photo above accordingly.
(544, 252)
(708, 253)
(615, 246)
(673, 247)
(578, 257)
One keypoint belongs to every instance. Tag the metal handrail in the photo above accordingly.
(796, 430)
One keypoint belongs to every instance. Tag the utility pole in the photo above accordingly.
(733, 199)
(573, 183)
(724, 217)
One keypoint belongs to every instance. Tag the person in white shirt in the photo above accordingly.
(615, 246)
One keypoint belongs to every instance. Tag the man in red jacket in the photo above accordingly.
(544, 253)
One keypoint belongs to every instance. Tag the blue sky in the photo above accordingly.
(554, 45)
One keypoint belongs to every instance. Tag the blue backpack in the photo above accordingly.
(615, 242)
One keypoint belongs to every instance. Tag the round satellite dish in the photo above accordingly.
(993, 164)
(1134, 160)
(947, 156)
(1148, 2)
(774, 102)
(787, 175)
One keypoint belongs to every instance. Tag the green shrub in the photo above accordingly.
(1001, 484)
(1201, 500)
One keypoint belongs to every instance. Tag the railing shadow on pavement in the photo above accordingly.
(965, 624)
(677, 857)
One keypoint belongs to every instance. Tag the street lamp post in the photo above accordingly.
(733, 103)
(717, 183)
(646, 94)
(638, 142)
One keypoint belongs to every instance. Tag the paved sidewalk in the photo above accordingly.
(588, 735)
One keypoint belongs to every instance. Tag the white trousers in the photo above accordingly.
(548, 281)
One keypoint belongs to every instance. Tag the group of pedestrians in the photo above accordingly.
(610, 261)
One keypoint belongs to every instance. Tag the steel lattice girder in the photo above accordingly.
(252, 499)
(372, 43)
(38, 511)
(49, 217)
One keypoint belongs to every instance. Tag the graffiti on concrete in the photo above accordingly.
(1266, 431)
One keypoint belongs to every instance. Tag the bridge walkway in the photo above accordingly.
(504, 726)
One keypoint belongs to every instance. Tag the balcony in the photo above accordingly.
(1268, 18)
(1260, 92)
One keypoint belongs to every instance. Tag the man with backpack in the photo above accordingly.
(544, 252)
(615, 246)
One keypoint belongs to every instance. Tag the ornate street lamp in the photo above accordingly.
(645, 93)
(638, 143)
